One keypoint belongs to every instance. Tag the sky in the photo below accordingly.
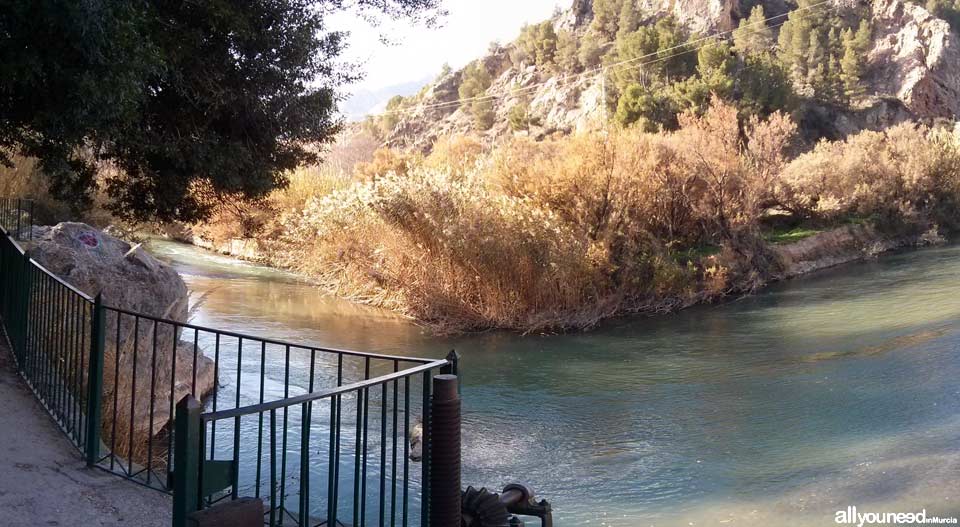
(417, 52)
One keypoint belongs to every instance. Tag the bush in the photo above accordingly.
(458, 254)
(563, 232)
(906, 173)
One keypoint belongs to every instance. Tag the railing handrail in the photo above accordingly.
(187, 325)
(56, 333)
(314, 396)
(50, 273)
(266, 340)
(61, 281)
(12, 240)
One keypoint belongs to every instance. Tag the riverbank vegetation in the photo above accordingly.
(561, 233)
(564, 232)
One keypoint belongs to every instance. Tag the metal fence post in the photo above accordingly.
(187, 456)
(445, 452)
(95, 381)
(19, 235)
(24, 306)
(453, 366)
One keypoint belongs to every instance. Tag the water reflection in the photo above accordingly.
(837, 389)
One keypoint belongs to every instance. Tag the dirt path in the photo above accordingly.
(43, 480)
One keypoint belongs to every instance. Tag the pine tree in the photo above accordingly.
(851, 66)
(545, 43)
(815, 60)
(753, 35)
(476, 80)
(629, 19)
(606, 16)
(568, 59)
(591, 52)
(835, 87)
(862, 39)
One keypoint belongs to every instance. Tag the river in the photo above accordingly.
(838, 389)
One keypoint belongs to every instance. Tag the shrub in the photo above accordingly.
(457, 254)
(386, 161)
(906, 173)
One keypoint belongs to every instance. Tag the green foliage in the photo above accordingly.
(948, 10)
(764, 85)
(629, 20)
(172, 94)
(715, 69)
(649, 43)
(444, 71)
(823, 63)
(591, 50)
(520, 118)
(782, 236)
(752, 34)
(568, 53)
(539, 43)
(476, 80)
(852, 65)
(647, 109)
(389, 120)
(606, 16)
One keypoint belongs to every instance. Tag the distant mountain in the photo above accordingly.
(362, 102)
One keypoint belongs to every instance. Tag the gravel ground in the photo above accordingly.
(44, 481)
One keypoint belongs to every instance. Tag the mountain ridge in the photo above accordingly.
(911, 71)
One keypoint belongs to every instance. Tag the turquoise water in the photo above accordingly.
(777, 409)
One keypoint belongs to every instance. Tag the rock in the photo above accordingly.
(699, 16)
(130, 279)
(915, 57)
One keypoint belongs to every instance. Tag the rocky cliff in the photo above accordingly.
(916, 58)
(913, 72)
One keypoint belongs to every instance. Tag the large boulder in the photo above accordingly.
(139, 354)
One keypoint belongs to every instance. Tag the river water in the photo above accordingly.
(838, 389)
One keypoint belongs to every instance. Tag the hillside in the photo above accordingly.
(879, 63)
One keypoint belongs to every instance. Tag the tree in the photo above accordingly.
(752, 34)
(519, 117)
(606, 16)
(568, 58)
(545, 45)
(647, 44)
(648, 109)
(629, 19)
(852, 65)
(591, 51)
(391, 117)
(173, 94)
(476, 80)
(537, 42)
(812, 47)
(715, 65)
(764, 85)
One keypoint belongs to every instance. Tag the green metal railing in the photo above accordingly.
(320, 434)
(16, 217)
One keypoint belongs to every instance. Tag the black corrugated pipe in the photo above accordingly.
(445, 453)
